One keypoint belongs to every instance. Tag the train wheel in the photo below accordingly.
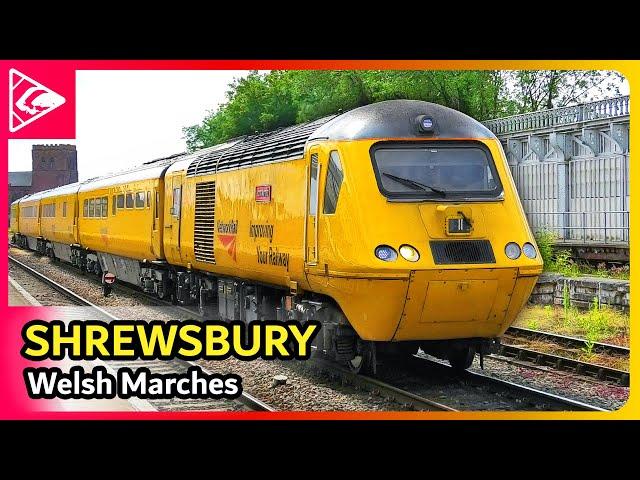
(461, 358)
(356, 363)
(365, 360)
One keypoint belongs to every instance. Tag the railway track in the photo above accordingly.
(404, 393)
(555, 402)
(510, 350)
(566, 341)
(244, 402)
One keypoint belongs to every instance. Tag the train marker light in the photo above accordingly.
(529, 250)
(512, 250)
(386, 253)
(409, 253)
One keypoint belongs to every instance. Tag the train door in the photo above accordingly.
(75, 213)
(38, 220)
(311, 237)
(156, 245)
(172, 221)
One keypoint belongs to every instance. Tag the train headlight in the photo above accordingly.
(409, 253)
(386, 253)
(529, 250)
(512, 250)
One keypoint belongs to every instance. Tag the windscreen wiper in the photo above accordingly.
(415, 185)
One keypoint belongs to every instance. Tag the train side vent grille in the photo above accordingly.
(283, 144)
(204, 225)
(462, 251)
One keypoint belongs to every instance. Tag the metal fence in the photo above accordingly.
(583, 227)
(543, 119)
(571, 168)
(593, 206)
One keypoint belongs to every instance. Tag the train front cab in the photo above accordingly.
(455, 288)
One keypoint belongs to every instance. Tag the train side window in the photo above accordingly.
(92, 202)
(64, 209)
(85, 209)
(120, 201)
(114, 199)
(333, 183)
(177, 196)
(105, 207)
(148, 199)
(129, 200)
(139, 199)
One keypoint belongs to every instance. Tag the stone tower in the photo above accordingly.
(53, 166)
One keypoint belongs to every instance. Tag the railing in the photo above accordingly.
(609, 108)
(584, 227)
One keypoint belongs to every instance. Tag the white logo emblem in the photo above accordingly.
(29, 100)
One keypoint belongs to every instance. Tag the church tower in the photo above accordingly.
(53, 166)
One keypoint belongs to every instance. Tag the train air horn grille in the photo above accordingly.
(203, 231)
(462, 251)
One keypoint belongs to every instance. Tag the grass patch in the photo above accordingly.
(560, 261)
(600, 323)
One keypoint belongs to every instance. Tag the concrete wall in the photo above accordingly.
(582, 290)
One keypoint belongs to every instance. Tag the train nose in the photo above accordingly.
(445, 304)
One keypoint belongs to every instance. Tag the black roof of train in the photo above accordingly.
(388, 119)
(398, 119)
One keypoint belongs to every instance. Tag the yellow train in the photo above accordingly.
(396, 224)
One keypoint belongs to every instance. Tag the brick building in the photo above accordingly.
(51, 166)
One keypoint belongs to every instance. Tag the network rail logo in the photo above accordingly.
(29, 100)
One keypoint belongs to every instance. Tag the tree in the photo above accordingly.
(263, 102)
(534, 90)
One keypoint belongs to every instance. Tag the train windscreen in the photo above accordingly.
(435, 170)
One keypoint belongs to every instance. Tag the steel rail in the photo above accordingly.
(480, 378)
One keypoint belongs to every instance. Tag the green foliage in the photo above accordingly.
(545, 240)
(620, 272)
(263, 102)
(596, 325)
(560, 261)
(543, 89)
(564, 264)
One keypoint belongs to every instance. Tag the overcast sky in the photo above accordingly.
(125, 118)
